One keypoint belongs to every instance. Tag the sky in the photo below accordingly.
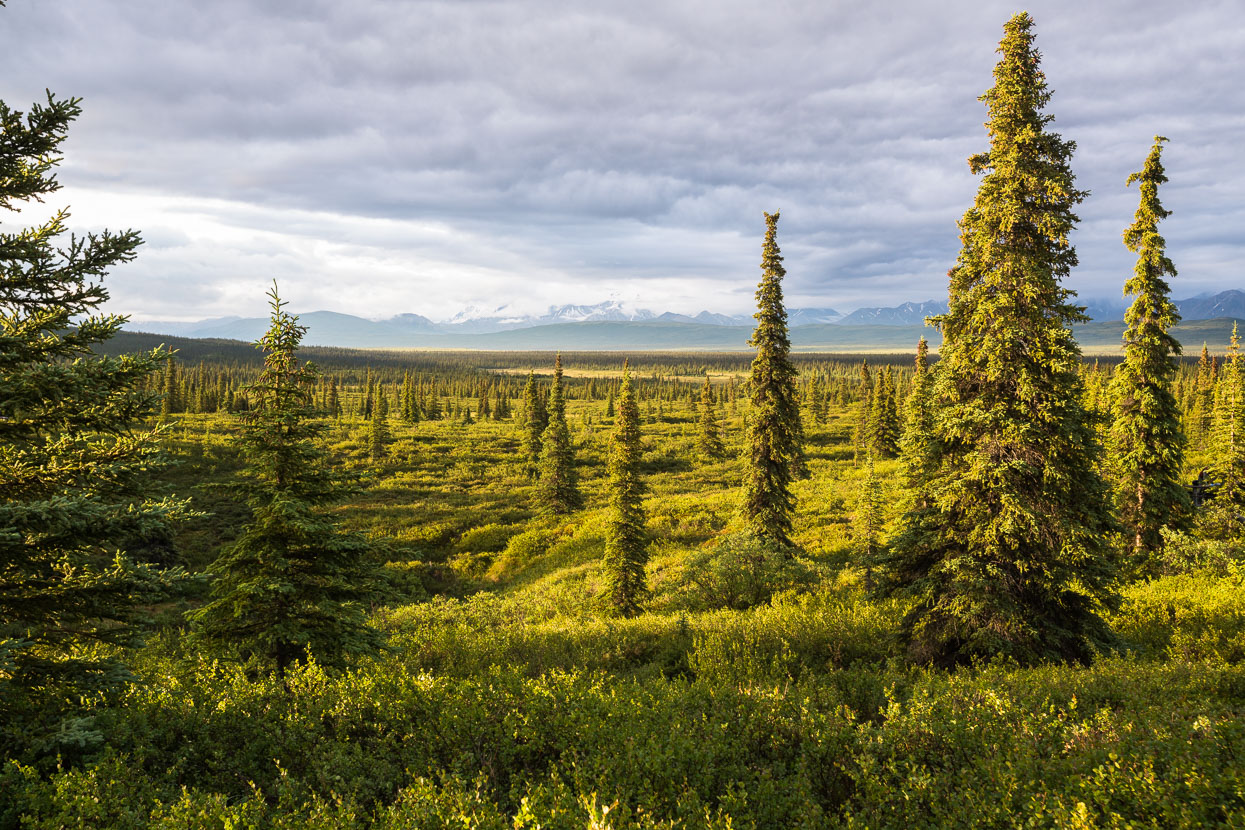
(380, 157)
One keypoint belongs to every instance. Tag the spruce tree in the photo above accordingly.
(1011, 555)
(709, 439)
(535, 419)
(407, 400)
(883, 423)
(918, 453)
(868, 521)
(626, 543)
(1147, 441)
(1202, 412)
(860, 429)
(293, 584)
(378, 434)
(774, 430)
(1225, 516)
(558, 487)
(75, 456)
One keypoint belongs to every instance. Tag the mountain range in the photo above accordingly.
(607, 325)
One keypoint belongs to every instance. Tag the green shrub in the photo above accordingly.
(490, 538)
(1186, 554)
(743, 571)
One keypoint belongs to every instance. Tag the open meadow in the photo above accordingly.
(753, 690)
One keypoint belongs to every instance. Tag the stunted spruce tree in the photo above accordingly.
(535, 419)
(883, 425)
(775, 433)
(74, 454)
(709, 438)
(293, 585)
(558, 487)
(626, 543)
(1010, 555)
(918, 454)
(1147, 439)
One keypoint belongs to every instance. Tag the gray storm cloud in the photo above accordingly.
(380, 157)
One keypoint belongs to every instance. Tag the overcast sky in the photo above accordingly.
(382, 157)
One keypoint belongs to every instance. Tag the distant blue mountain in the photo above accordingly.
(330, 328)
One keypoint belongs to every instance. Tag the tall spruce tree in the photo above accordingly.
(558, 487)
(293, 585)
(1147, 441)
(75, 456)
(1011, 556)
(775, 433)
(709, 438)
(626, 542)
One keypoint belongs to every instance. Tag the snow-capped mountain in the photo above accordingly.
(908, 314)
(1230, 303)
(504, 318)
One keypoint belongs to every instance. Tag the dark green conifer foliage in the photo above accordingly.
(168, 401)
(558, 488)
(535, 420)
(378, 434)
(1225, 516)
(1202, 413)
(293, 585)
(409, 413)
(1011, 556)
(775, 433)
(918, 453)
(334, 401)
(74, 454)
(709, 439)
(1147, 441)
(869, 520)
(860, 429)
(626, 541)
(883, 425)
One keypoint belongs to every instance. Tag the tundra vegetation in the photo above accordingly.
(296, 587)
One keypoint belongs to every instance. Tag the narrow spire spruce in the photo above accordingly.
(1147, 438)
(775, 433)
(626, 544)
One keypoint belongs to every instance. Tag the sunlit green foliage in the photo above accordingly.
(1225, 518)
(1147, 440)
(775, 433)
(558, 488)
(1011, 555)
(626, 542)
(292, 586)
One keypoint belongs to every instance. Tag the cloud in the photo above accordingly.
(385, 157)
